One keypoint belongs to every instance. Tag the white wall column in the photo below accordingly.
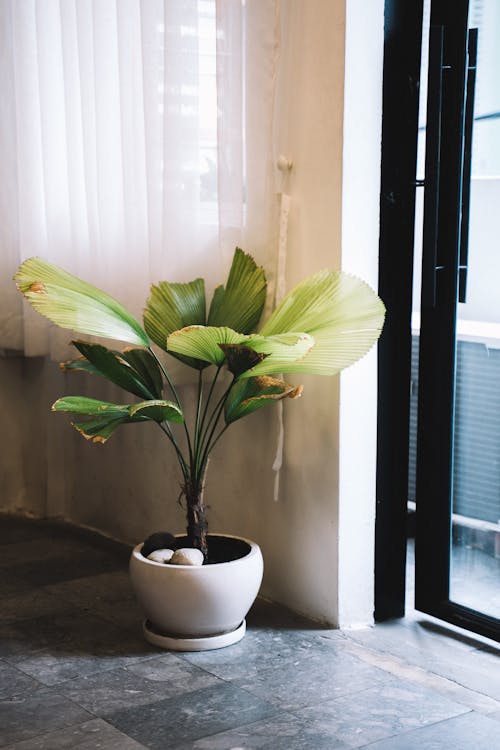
(364, 40)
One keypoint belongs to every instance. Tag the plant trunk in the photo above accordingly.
(196, 517)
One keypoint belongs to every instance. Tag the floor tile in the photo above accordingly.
(107, 587)
(455, 658)
(265, 614)
(65, 647)
(190, 716)
(66, 567)
(30, 604)
(382, 711)
(416, 675)
(260, 650)
(14, 682)
(26, 716)
(412, 640)
(125, 614)
(312, 680)
(468, 732)
(43, 548)
(136, 685)
(19, 530)
(18, 640)
(88, 736)
(480, 672)
(281, 732)
(10, 584)
(108, 595)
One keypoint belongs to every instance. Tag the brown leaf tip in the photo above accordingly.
(297, 392)
(37, 287)
(266, 381)
(81, 431)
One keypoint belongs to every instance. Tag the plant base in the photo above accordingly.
(203, 643)
(193, 602)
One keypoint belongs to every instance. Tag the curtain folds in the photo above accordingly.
(136, 143)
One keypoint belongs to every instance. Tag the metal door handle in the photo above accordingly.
(432, 165)
(466, 171)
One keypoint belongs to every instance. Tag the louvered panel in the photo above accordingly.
(477, 431)
(412, 465)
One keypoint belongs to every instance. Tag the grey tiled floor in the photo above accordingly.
(76, 673)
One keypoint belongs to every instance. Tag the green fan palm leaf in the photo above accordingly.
(283, 350)
(172, 306)
(246, 396)
(71, 303)
(209, 343)
(341, 312)
(146, 367)
(107, 416)
(203, 342)
(100, 429)
(122, 369)
(239, 304)
(158, 410)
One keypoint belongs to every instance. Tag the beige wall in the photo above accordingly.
(129, 487)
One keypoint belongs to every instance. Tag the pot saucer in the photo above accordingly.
(203, 643)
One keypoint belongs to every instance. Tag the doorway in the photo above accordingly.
(443, 349)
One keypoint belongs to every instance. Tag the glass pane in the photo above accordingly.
(475, 556)
(417, 258)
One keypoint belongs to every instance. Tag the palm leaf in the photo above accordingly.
(116, 368)
(108, 416)
(99, 429)
(172, 306)
(203, 342)
(240, 358)
(92, 406)
(146, 367)
(333, 352)
(283, 350)
(341, 312)
(246, 396)
(71, 303)
(157, 410)
(81, 364)
(239, 305)
(210, 344)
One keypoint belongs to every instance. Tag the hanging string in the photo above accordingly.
(284, 165)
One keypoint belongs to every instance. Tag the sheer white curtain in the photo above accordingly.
(136, 143)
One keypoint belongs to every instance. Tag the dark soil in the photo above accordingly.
(220, 548)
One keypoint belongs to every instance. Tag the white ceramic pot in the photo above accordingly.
(197, 607)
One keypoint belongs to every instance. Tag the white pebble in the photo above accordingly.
(187, 556)
(161, 555)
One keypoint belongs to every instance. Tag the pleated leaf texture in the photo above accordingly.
(71, 303)
(341, 312)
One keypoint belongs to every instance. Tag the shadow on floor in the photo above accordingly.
(75, 670)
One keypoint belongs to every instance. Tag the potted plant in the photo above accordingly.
(323, 325)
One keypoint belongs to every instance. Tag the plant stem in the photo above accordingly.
(217, 411)
(197, 422)
(168, 432)
(209, 397)
(166, 376)
(211, 447)
(207, 438)
(177, 399)
(196, 514)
